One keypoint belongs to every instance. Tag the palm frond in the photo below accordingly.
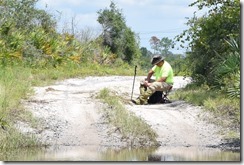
(234, 91)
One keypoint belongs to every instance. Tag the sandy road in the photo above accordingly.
(70, 116)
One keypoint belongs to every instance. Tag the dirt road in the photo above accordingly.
(70, 116)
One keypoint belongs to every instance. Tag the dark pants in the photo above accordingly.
(156, 97)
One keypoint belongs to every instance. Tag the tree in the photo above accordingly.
(161, 46)
(23, 15)
(208, 34)
(145, 59)
(145, 52)
(18, 19)
(165, 45)
(155, 42)
(116, 35)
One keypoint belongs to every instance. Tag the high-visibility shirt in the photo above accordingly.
(164, 71)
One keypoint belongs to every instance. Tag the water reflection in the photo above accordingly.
(172, 154)
(195, 154)
(94, 153)
(128, 154)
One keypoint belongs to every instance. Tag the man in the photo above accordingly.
(163, 73)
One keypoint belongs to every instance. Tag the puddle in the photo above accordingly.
(93, 153)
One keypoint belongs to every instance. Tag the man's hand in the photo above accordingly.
(146, 83)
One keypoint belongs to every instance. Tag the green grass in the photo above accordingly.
(131, 127)
(14, 139)
(225, 110)
(14, 86)
(44, 76)
(194, 94)
(13, 143)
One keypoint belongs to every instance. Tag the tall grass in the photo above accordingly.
(132, 128)
(14, 86)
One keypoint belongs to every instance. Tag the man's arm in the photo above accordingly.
(162, 79)
(149, 75)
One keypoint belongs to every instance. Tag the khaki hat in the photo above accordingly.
(156, 59)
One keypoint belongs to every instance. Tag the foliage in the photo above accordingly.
(162, 46)
(179, 64)
(28, 35)
(234, 90)
(227, 71)
(208, 35)
(116, 35)
(145, 59)
(155, 43)
(19, 20)
(166, 44)
(23, 15)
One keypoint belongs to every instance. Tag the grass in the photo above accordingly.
(12, 140)
(14, 86)
(44, 76)
(225, 110)
(132, 128)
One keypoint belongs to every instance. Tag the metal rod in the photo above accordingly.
(133, 83)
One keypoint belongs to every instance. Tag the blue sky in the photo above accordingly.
(160, 18)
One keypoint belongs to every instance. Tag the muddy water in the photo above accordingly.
(92, 153)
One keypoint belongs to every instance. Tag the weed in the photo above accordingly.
(130, 126)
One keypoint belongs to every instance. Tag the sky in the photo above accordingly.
(147, 18)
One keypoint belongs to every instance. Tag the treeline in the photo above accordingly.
(28, 35)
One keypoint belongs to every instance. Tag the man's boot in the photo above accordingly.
(142, 99)
(142, 90)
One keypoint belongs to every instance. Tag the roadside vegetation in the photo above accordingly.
(34, 53)
(135, 131)
(225, 111)
(215, 63)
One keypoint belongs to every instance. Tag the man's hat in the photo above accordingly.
(156, 59)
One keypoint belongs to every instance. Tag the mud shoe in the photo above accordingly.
(137, 101)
